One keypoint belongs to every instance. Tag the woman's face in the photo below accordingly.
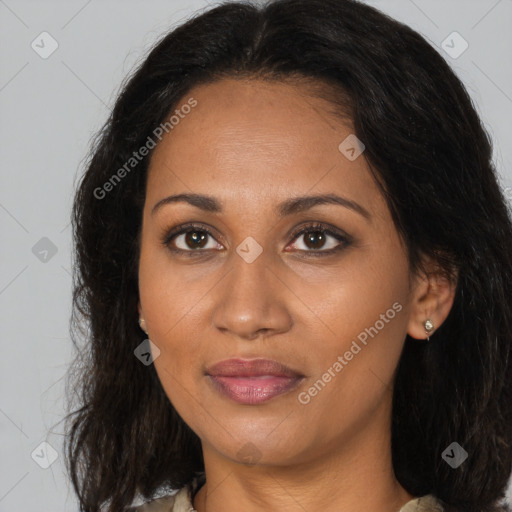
(333, 307)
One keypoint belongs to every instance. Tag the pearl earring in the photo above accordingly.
(429, 327)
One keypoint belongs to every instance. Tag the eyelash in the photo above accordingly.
(313, 227)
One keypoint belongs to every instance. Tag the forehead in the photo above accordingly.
(252, 139)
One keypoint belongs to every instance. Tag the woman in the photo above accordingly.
(293, 257)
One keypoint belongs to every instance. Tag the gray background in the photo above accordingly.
(50, 108)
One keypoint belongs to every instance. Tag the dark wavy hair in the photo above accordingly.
(432, 157)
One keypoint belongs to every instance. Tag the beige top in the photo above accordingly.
(182, 501)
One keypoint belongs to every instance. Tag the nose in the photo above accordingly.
(251, 301)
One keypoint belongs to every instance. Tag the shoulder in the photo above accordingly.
(180, 501)
(427, 503)
(162, 504)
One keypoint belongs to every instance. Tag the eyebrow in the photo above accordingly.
(288, 207)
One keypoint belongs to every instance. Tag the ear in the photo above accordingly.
(433, 296)
(139, 309)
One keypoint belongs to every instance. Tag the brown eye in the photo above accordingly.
(195, 239)
(189, 239)
(315, 239)
(318, 239)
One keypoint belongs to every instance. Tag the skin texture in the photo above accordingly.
(253, 144)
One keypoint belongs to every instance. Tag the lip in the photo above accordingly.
(252, 381)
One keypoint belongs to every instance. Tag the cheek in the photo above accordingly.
(171, 311)
(179, 366)
(365, 298)
(170, 300)
(363, 313)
